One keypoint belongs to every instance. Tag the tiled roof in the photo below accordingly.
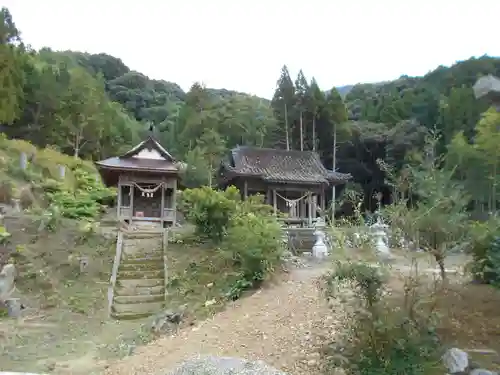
(164, 163)
(281, 166)
(138, 164)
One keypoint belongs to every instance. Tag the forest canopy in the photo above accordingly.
(93, 106)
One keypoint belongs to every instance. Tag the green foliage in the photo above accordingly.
(485, 250)
(249, 236)
(367, 280)
(436, 221)
(85, 201)
(254, 242)
(80, 194)
(378, 338)
(4, 235)
(209, 210)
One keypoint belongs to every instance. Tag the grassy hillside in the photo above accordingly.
(41, 186)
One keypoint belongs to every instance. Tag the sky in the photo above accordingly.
(242, 44)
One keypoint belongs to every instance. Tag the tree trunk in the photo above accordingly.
(314, 133)
(334, 167)
(210, 175)
(286, 129)
(301, 133)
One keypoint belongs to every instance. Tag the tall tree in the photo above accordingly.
(282, 104)
(316, 101)
(212, 146)
(301, 103)
(336, 112)
(11, 70)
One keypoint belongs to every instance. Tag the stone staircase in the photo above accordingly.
(138, 280)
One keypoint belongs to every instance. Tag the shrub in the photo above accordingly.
(85, 201)
(249, 235)
(4, 235)
(485, 250)
(437, 221)
(254, 243)
(6, 192)
(379, 338)
(209, 210)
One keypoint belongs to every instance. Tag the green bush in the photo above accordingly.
(4, 235)
(85, 201)
(254, 244)
(249, 236)
(209, 210)
(381, 336)
(485, 250)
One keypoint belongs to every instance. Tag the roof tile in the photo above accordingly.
(282, 166)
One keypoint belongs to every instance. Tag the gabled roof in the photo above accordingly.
(280, 166)
(148, 156)
(149, 144)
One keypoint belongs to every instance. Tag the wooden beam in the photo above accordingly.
(132, 189)
(309, 208)
(162, 207)
(322, 200)
(119, 200)
(174, 202)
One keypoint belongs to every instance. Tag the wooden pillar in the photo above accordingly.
(132, 189)
(174, 201)
(269, 197)
(119, 200)
(245, 190)
(301, 209)
(162, 206)
(322, 199)
(275, 202)
(309, 208)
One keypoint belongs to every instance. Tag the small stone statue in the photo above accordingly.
(7, 277)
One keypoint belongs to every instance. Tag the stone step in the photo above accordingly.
(127, 275)
(139, 283)
(140, 267)
(138, 308)
(142, 236)
(131, 299)
(141, 254)
(142, 260)
(131, 316)
(139, 290)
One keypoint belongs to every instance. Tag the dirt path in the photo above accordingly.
(276, 325)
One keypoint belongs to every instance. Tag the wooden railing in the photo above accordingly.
(114, 271)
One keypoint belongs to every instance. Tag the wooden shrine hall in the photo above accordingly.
(146, 178)
(294, 182)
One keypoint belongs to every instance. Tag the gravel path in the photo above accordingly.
(276, 325)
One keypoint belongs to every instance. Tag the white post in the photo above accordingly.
(62, 172)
